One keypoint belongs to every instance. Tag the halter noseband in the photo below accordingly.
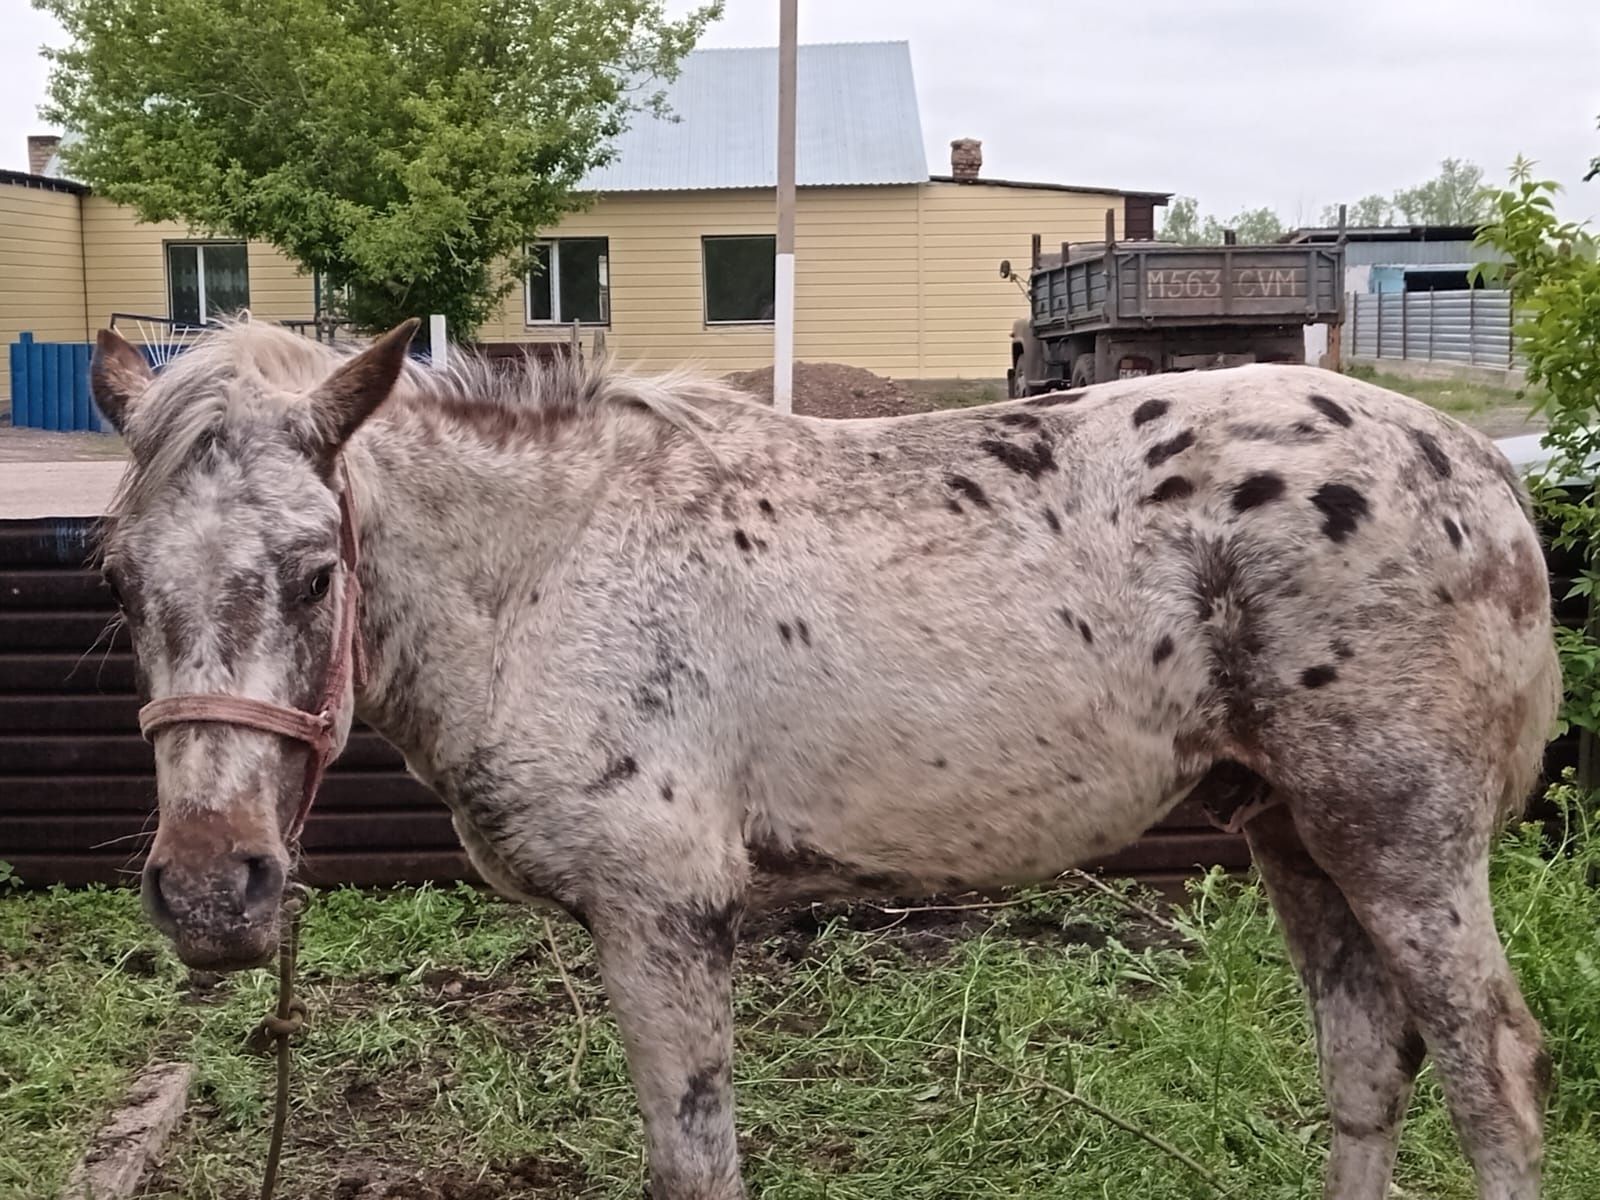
(347, 662)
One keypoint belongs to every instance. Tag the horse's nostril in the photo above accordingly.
(155, 901)
(263, 882)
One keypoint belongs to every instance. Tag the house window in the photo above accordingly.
(738, 278)
(570, 280)
(206, 280)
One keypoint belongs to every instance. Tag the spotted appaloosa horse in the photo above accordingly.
(669, 656)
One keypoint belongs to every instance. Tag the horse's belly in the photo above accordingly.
(924, 825)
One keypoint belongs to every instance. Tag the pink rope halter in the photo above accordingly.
(347, 662)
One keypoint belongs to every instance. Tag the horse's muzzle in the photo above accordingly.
(221, 915)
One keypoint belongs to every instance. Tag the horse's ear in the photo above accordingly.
(352, 393)
(117, 376)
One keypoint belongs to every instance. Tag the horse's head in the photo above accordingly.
(223, 549)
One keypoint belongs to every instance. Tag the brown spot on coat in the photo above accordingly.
(617, 771)
(1052, 520)
(1174, 487)
(239, 616)
(969, 489)
(712, 929)
(1256, 490)
(1342, 506)
(1149, 411)
(702, 1097)
(1331, 409)
(1163, 650)
(1162, 451)
(1318, 676)
(1433, 452)
(1032, 461)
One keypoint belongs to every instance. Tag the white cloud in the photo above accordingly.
(1237, 102)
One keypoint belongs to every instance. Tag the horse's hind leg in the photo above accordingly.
(1412, 860)
(1367, 1044)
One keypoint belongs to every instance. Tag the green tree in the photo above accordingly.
(404, 149)
(1455, 196)
(1181, 222)
(1184, 223)
(1553, 268)
(1364, 213)
(1257, 225)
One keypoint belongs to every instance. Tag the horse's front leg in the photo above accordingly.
(668, 970)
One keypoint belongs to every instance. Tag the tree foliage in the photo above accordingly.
(1184, 223)
(404, 149)
(1455, 196)
(1553, 269)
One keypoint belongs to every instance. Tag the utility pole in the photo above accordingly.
(783, 273)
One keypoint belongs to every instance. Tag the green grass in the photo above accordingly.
(1467, 400)
(880, 1054)
(959, 393)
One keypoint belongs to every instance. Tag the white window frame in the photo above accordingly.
(199, 245)
(553, 278)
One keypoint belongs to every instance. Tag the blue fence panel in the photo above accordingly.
(36, 384)
(50, 385)
(88, 416)
(50, 398)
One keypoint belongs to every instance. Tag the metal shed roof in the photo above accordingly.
(856, 123)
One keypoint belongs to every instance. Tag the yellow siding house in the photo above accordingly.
(672, 260)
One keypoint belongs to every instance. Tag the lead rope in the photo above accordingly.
(286, 1020)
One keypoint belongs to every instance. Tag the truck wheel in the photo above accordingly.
(1083, 371)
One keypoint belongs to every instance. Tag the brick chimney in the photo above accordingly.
(966, 158)
(41, 147)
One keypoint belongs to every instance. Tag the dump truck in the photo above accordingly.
(1109, 310)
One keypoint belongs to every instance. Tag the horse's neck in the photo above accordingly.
(453, 540)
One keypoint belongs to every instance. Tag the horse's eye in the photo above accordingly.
(317, 585)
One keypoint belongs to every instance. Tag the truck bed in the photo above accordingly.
(1133, 285)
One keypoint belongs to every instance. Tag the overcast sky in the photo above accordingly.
(1237, 102)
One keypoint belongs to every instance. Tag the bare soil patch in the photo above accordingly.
(834, 390)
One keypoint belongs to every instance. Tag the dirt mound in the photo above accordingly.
(832, 390)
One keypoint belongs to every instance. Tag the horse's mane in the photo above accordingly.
(192, 399)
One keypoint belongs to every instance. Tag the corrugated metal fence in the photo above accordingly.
(77, 782)
(1472, 328)
(50, 385)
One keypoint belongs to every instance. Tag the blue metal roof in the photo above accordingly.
(856, 122)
